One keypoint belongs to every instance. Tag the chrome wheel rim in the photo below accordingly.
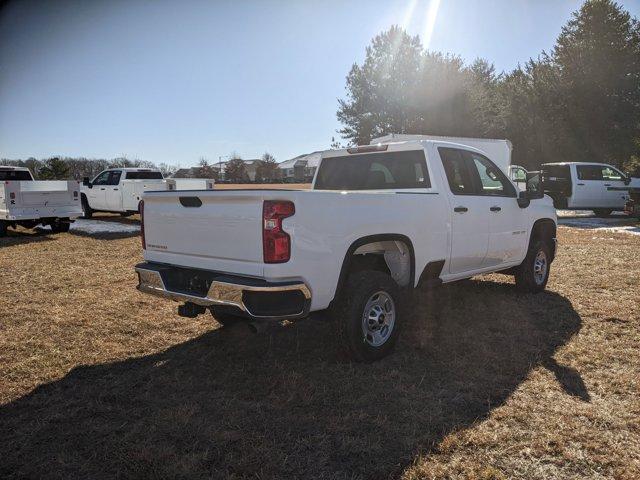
(540, 266)
(378, 319)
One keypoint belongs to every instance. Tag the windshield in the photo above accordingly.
(144, 176)
(374, 171)
(19, 175)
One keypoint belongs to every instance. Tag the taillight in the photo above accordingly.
(141, 209)
(12, 195)
(276, 243)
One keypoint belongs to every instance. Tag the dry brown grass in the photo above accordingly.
(99, 381)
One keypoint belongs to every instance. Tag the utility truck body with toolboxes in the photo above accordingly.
(29, 203)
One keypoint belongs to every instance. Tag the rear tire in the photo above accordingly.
(602, 212)
(224, 318)
(367, 316)
(533, 273)
(87, 212)
(60, 226)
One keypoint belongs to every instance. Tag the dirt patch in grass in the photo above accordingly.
(99, 381)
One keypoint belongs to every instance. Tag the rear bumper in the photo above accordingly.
(249, 297)
(38, 213)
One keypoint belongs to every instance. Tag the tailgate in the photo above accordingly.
(45, 194)
(213, 230)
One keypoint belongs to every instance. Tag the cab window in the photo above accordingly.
(589, 172)
(609, 173)
(102, 179)
(455, 167)
(490, 179)
(114, 177)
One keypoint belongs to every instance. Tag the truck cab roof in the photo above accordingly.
(132, 169)
(11, 168)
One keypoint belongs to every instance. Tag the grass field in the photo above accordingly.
(99, 381)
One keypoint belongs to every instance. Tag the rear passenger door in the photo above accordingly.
(507, 230)
(469, 220)
(590, 191)
(113, 194)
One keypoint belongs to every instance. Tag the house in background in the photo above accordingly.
(300, 169)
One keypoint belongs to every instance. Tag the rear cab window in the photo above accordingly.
(395, 170)
(15, 175)
(144, 176)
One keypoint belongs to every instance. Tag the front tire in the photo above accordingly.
(87, 212)
(367, 316)
(3, 228)
(60, 226)
(602, 212)
(533, 273)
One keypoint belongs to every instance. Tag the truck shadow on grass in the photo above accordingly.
(283, 404)
(23, 236)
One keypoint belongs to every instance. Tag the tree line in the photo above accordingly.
(579, 102)
(62, 168)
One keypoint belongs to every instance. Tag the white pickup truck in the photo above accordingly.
(119, 190)
(380, 219)
(587, 186)
(29, 203)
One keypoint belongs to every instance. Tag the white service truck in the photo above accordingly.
(119, 190)
(379, 219)
(29, 203)
(587, 186)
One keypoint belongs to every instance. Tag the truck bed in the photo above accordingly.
(221, 230)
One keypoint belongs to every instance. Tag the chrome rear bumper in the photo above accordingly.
(225, 291)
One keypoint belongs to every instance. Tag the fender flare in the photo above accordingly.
(346, 262)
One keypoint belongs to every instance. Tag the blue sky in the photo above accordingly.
(173, 81)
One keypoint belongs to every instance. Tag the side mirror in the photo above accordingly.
(523, 200)
(534, 188)
(85, 181)
(627, 179)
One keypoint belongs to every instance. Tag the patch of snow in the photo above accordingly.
(621, 224)
(584, 213)
(97, 226)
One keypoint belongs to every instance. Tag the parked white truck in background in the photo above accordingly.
(29, 203)
(587, 186)
(119, 190)
(378, 220)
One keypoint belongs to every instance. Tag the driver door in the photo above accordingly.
(96, 195)
(613, 179)
(507, 231)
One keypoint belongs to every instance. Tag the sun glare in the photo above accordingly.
(430, 22)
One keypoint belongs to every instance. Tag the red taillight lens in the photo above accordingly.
(141, 208)
(276, 243)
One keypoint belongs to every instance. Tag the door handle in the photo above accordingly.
(115, 189)
(461, 209)
(495, 209)
(103, 189)
(581, 184)
(607, 184)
